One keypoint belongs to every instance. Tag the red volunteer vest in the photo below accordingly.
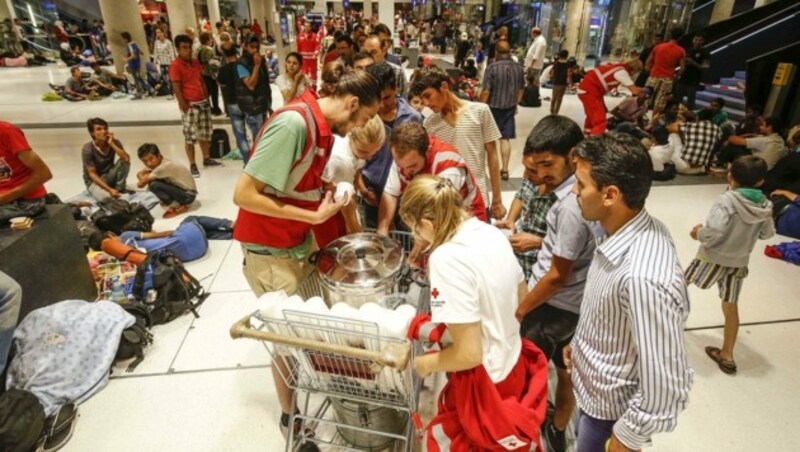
(600, 80)
(305, 181)
(440, 157)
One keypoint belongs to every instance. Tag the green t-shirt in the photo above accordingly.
(279, 147)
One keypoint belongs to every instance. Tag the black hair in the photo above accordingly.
(384, 74)
(755, 108)
(661, 135)
(719, 101)
(381, 28)
(556, 134)
(705, 114)
(676, 33)
(749, 170)
(776, 124)
(620, 160)
(414, 91)
(345, 38)
(362, 56)
(148, 148)
(431, 77)
(296, 56)
(125, 35)
(563, 53)
(254, 39)
(361, 85)
(95, 122)
(699, 35)
(182, 39)
(229, 51)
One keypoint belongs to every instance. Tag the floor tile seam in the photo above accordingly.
(744, 324)
(189, 372)
(219, 267)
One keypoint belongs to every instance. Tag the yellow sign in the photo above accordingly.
(782, 73)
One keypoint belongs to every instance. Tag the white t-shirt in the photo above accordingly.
(343, 164)
(457, 176)
(474, 278)
(536, 52)
(283, 83)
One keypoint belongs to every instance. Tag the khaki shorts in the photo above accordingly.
(265, 273)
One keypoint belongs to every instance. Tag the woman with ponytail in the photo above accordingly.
(495, 397)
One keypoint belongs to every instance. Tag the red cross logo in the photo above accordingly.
(435, 293)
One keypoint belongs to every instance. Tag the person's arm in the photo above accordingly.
(484, 96)
(715, 228)
(493, 161)
(525, 241)
(176, 90)
(512, 216)
(91, 171)
(252, 81)
(551, 282)
(249, 195)
(466, 351)
(40, 173)
(116, 146)
(351, 220)
(386, 212)
(155, 235)
(737, 140)
(618, 113)
(648, 65)
(682, 67)
(656, 315)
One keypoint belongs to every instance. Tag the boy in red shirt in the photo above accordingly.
(661, 63)
(22, 175)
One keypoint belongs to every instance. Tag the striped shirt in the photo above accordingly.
(628, 353)
(474, 129)
(164, 52)
(504, 79)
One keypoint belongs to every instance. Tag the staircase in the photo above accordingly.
(728, 90)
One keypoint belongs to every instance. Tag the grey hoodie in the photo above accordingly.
(732, 228)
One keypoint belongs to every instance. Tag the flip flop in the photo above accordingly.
(729, 367)
(504, 175)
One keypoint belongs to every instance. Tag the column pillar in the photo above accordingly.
(181, 15)
(213, 14)
(386, 14)
(7, 10)
(367, 9)
(759, 3)
(122, 16)
(722, 10)
(574, 26)
(256, 10)
(320, 7)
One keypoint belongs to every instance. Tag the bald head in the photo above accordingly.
(502, 47)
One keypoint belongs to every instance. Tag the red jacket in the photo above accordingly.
(600, 80)
(305, 181)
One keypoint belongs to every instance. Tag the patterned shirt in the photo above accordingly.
(628, 354)
(164, 52)
(699, 140)
(532, 219)
(503, 78)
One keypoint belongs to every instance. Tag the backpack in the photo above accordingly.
(118, 215)
(21, 421)
(135, 338)
(210, 62)
(174, 290)
(220, 144)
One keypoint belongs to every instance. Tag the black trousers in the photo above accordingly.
(213, 92)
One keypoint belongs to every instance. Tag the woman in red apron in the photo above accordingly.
(495, 397)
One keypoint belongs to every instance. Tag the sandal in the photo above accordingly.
(504, 175)
(729, 367)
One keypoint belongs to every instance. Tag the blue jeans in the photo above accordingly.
(215, 228)
(10, 299)
(592, 433)
(238, 120)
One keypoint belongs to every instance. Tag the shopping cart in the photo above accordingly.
(346, 364)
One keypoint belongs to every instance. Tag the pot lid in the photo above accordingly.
(360, 260)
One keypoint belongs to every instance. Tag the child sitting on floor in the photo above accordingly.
(741, 216)
(172, 183)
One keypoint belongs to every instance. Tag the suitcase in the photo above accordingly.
(220, 144)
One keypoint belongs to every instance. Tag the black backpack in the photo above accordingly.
(220, 144)
(175, 291)
(118, 215)
(21, 421)
(136, 337)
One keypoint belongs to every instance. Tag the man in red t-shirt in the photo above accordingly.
(186, 74)
(22, 175)
(661, 63)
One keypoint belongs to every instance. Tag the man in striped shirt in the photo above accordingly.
(629, 365)
(470, 127)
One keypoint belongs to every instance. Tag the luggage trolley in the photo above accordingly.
(366, 377)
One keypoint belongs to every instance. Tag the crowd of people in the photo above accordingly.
(575, 270)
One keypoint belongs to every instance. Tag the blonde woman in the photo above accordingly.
(495, 395)
(348, 157)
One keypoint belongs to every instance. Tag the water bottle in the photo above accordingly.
(117, 292)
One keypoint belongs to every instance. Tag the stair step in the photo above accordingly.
(725, 91)
(731, 81)
(740, 74)
(732, 101)
(734, 114)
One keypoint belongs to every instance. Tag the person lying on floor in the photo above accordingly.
(189, 241)
(172, 183)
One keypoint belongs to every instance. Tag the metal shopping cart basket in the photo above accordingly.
(348, 365)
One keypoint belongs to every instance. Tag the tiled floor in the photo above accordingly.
(199, 390)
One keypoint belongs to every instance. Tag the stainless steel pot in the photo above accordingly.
(360, 268)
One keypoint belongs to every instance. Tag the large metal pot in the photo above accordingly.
(371, 417)
(359, 268)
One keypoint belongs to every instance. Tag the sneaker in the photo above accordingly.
(216, 112)
(195, 171)
(297, 424)
(556, 440)
(211, 162)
